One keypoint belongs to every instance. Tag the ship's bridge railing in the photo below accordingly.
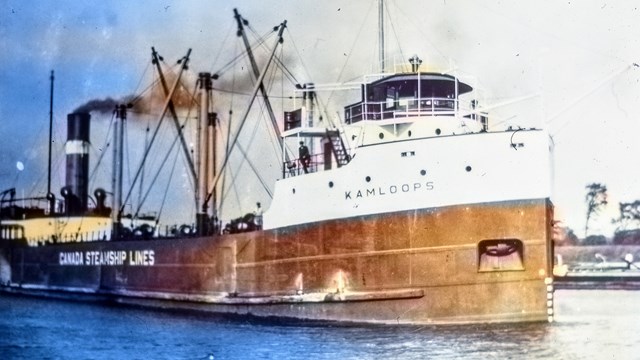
(400, 108)
(324, 149)
(317, 162)
(297, 167)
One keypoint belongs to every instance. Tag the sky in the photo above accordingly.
(574, 59)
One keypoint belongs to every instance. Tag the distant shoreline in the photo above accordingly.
(573, 254)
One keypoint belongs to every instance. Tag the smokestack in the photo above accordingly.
(77, 175)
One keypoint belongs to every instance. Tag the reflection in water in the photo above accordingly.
(589, 324)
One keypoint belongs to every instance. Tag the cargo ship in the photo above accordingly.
(410, 209)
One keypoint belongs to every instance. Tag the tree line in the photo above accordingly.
(627, 230)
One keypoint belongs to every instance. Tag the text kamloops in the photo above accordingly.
(393, 189)
(108, 258)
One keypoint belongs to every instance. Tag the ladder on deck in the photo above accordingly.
(337, 147)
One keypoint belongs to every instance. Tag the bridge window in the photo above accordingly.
(391, 97)
(406, 95)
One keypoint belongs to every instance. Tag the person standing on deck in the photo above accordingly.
(305, 157)
(258, 216)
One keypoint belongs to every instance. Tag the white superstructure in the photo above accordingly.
(411, 154)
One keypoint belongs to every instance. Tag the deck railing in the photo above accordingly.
(295, 167)
(398, 108)
(318, 162)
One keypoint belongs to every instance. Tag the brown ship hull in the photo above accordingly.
(443, 265)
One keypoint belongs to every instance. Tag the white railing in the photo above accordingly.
(391, 109)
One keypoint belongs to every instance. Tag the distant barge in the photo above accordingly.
(613, 280)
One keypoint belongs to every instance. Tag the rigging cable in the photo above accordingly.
(245, 54)
(284, 67)
(132, 100)
(184, 160)
(226, 145)
(42, 173)
(222, 46)
(184, 62)
(323, 107)
(350, 51)
(184, 123)
(146, 143)
(166, 190)
(123, 123)
(191, 98)
(248, 109)
(225, 189)
(232, 184)
(247, 94)
(59, 160)
(141, 187)
(104, 151)
(424, 37)
(395, 33)
(588, 93)
(519, 22)
(246, 158)
(155, 177)
(144, 73)
(187, 156)
(270, 130)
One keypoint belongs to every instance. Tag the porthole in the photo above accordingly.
(438, 131)
(423, 172)
(409, 133)
(330, 184)
(381, 136)
(468, 168)
(293, 190)
(368, 178)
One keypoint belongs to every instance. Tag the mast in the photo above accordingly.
(116, 177)
(245, 115)
(141, 187)
(184, 61)
(381, 34)
(50, 197)
(256, 73)
(204, 157)
(115, 205)
(211, 150)
(156, 61)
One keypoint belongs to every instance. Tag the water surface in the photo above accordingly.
(589, 324)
